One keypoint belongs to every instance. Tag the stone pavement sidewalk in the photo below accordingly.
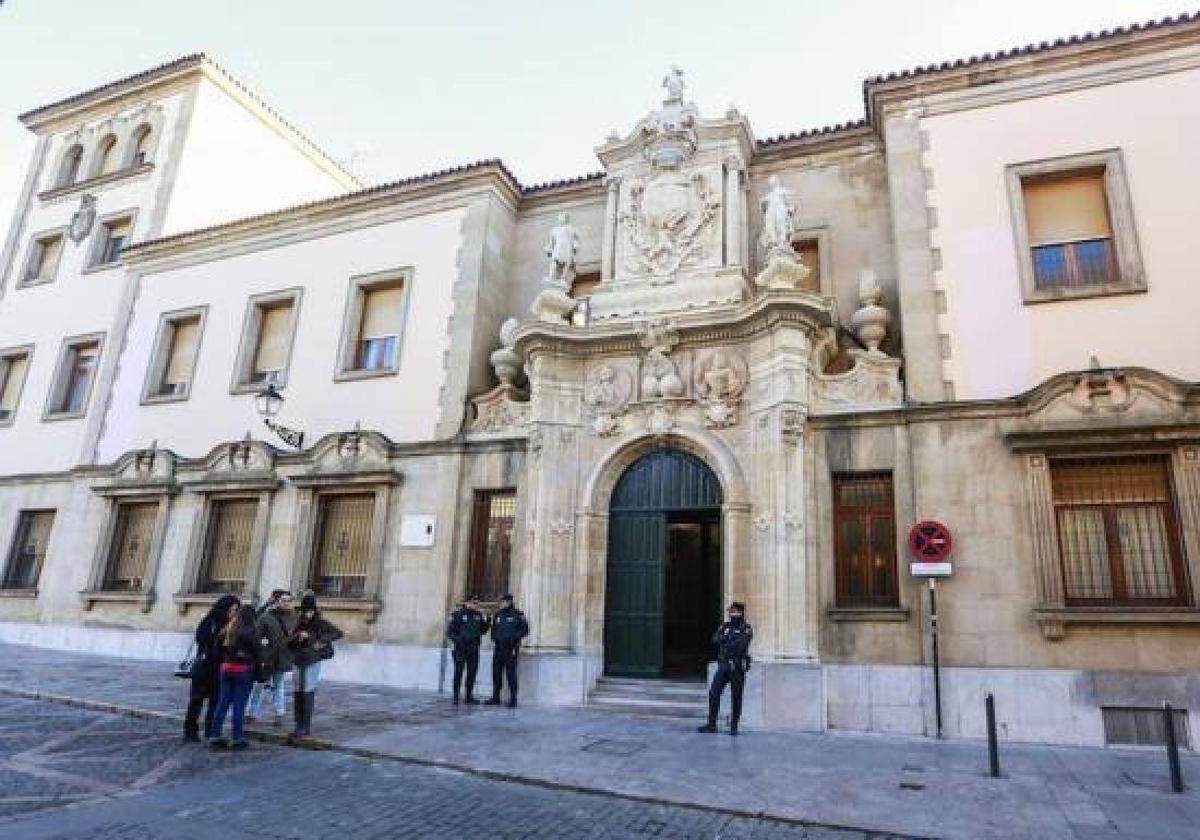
(908, 786)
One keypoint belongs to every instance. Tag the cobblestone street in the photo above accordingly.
(69, 773)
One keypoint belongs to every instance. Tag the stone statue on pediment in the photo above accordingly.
(779, 218)
(562, 248)
(674, 85)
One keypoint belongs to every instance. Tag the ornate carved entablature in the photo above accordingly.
(349, 457)
(138, 472)
(238, 465)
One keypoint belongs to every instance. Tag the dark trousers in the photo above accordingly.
(733, 676)
(203, 695)
(466, 659)
(504, 663)
(234, 693)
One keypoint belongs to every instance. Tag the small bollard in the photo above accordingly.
(993, 748)
(1172, 748)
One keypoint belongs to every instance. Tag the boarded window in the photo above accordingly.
(227, 545)
(12, 378)
(1143, 726)
(379, 334)
(1117, 531)
(864, 541)
(491, 543)
(129, 554)
(29, 549)
(274, 342)
(183, 338)
(810, 254)
(43, 259)
(343, 545)
(1069, 230)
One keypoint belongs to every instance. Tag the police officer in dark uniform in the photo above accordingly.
(733, 661)
(509, 627)
(467, 628)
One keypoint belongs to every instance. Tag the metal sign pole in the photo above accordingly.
(937, 676)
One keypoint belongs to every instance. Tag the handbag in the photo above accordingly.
(325, 651)
(187, 665)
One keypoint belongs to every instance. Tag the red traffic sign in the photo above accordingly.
(929, 541)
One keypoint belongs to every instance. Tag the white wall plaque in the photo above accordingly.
(418, 530)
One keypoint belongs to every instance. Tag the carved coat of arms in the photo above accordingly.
(667, 221)
(83, 218)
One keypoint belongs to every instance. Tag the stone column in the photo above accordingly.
(608, 252)
(735, 212)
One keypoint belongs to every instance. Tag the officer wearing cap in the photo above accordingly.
(465, 632)
(733, 661)
(509, 627)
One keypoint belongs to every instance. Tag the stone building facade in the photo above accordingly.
(722, 368)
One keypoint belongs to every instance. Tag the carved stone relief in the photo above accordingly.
(720, 380)
(607, 392)
(1101, 389)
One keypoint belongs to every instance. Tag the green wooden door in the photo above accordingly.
(633, 626)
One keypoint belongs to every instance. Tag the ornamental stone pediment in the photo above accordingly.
(140, 470)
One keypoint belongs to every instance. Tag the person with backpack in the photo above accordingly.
(311, 643)
(275, 624)
(204, 683)
(239, 663)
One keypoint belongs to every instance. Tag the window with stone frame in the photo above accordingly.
(268, 333)
(14, 362)
(112, 237)
(491, 543)
(342, 544)
(42, 262)
(1118, 531)
(68, 172)
(141, 146)
(373, 326)
(129, 551)
(864, 540)
(174, 359)
(107, 161)
(28, 552)
(227, 545)
(72, 384)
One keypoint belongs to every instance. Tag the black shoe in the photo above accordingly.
(707, 729)
(492, 701)
(455, 700)
(512, 703)
(472, 701)
(733, 730)
(238, 746)
(194, 737)
(219, 744)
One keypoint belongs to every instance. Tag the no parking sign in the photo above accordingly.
(930, 542)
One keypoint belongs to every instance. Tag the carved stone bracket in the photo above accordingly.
(1101, 389)
(502, 411)
(872, 384)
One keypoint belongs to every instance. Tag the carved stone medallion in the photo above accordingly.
(667, 222)
(83, 218)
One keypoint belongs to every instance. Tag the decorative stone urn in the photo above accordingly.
(553, 305)
(506, 363)
(870, 322)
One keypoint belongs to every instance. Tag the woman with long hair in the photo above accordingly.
(204, 667)
(311, 642)
(239, 658)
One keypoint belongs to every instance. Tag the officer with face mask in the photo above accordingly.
(733, 661)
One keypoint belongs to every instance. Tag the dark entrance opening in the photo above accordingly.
(663, 596)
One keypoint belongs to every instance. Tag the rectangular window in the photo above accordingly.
(73, 380)
(129, 552)
(373, 325)
(1070, 236)
(491, 543)
(864, 540)
(174, 358)
(227, 545)
(13, 365)
(343, 545)
(28, 552)
(1143, 726)
(44, 254)
(268, 333)
(114, 236)
(809, 251)
(1118, 532)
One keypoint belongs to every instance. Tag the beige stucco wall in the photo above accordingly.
(999, 346)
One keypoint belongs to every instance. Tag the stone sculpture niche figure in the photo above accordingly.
(784, 269)
(674, 84)
(554, 304)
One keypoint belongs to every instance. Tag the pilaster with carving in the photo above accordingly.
(1045, 552)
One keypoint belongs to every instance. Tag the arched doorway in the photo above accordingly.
(663, 592)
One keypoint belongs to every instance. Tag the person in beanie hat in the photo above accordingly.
(733, 661)
(311, 643)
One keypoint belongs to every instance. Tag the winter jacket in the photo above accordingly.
(243, 649)
(467, 628)
(208, 648)
(320, 632)
(509, 626)
(733, 643)
(274, 628)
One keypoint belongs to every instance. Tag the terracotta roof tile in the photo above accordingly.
(186, 62)
(809, 133)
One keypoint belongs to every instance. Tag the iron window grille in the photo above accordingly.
(864, 542)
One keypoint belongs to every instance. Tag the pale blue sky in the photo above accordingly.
(404, 87)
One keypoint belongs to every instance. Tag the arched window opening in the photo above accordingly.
(69, 172)
(141, 146)
(106, 162)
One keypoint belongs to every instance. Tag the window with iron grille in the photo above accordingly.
(864, 540)
(1118, 534)
(227, 545)
(28, 549)
(491, 543)
(129, 552)
(343, 545)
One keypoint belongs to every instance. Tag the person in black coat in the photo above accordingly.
(465, 632)
(733, 661)
(311, 643)
(204, 667)
(509, 627)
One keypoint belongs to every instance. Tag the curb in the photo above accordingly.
(321, 745)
